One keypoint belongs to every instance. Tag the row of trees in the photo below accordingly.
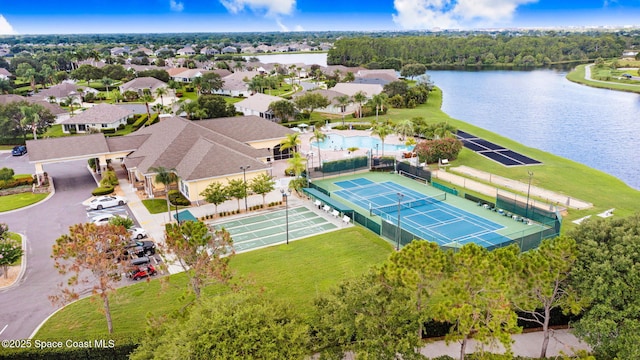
(384, 313)
(395, 52)
(217, 193)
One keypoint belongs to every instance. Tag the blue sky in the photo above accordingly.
(136, 16)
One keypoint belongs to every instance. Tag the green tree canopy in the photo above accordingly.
(606, 273)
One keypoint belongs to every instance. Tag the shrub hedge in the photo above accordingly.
(102, 190)
(8, 184)
(176, 198)
(141, 120)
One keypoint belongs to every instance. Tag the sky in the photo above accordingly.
(174, 16)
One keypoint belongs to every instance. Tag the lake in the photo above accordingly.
(541, 109)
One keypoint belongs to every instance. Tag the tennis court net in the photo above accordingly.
(408, 204)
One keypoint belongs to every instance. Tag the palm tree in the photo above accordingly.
(379, 101)
(318, 136)
(343, 102)
(298, 164)
(106, 82)
(147, 98)
(158, 108)
(360, 98)
(117, 95)
(70, 100)
(291, 142)
(30, 117)
(161, 92)
(404, 128)
(165, 177)
(382, 130)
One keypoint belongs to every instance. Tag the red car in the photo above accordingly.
(141, 271)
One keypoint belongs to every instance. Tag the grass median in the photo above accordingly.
(17, 201)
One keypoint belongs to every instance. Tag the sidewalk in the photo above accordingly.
(521, 187)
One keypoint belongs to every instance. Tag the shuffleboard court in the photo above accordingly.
(269, 228)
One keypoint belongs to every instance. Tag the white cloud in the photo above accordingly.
(271, 7)
(5, 27)
(282, 26)
(176, 6)
(447, 14)
(298, 28)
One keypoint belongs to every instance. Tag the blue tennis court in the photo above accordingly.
(428, 217)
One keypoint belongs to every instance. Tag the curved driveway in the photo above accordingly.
(25, 305)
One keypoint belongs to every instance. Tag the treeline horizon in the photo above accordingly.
(478, 50)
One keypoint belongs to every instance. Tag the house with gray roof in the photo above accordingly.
(99, 117)
(139, 85)
(61, 93)
(334, 107)
(351, 89)
(258, 105)
(235, 84)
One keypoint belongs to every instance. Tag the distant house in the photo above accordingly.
(119, 51)
(235, 84)
(257, 104)
(4, 74)
(99, 117)
(209, 51)
(629, 53)
(229, 50)
(144, 50)
(188, 75)
(62, 92)
(377, 76)
(186, 51)
(139, 85)
(351, 89)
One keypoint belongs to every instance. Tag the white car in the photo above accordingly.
(137, 233)
(104, 218)
(106, 201)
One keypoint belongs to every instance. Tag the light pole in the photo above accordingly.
(377, 149)
(528, 193)
(244, 177)
(285, 195)
(398, 231)
(309, 169)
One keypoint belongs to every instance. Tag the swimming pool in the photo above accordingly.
(339, 142)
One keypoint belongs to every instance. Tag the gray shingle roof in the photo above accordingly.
(195, 151)
(142, 83)
(66, 147)
(247, 128)
(100, 114)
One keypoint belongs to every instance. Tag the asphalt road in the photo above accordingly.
(25, 305)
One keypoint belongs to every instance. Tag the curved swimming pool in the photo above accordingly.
(339, 142)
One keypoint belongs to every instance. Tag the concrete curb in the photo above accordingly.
(53, 192)
(23, 266)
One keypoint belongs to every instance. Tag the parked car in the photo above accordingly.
(19, 150)
(141, 248)
(138, 233)
(142, 271)
(103, 219)
(106, 201)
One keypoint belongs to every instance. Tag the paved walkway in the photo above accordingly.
(549, 196)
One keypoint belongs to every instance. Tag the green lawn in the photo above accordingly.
(295, 273)
(577, 75)
(17, 201)
(156, 206)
